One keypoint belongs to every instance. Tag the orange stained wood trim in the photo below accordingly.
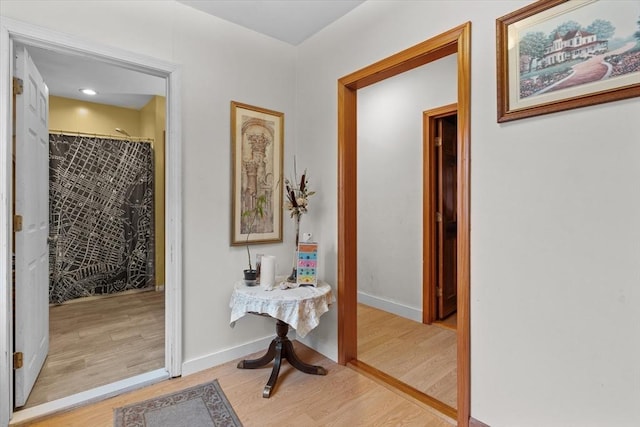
(428, 51)
(347, 230)
(464, 226)
(429, 253)
(457, 40)
(412, 392)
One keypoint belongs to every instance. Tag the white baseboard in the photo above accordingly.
(390, 306)
(214, 359)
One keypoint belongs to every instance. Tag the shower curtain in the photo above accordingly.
(101, 216)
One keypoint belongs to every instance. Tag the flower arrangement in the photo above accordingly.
(297, 194)
(297, 197)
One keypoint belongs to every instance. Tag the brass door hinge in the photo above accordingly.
(439, 292)
(18, 360)
(438, 140)
(17, 223)
(438, 217)
(17, 86)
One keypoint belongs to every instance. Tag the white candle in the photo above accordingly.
(268, 272)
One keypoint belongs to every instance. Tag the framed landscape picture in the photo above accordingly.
(556, 55)
(257, 146)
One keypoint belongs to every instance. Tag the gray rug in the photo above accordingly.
(204, 405)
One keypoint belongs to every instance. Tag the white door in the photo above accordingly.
(32, 204)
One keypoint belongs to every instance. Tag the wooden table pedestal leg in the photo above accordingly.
(280, 348)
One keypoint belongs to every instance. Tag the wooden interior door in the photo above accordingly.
(446, 217)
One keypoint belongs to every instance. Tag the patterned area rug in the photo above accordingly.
(204, 405)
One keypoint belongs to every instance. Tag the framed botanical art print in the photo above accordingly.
(556, 55)
(257, 146)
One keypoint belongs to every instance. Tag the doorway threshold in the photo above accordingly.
(90, 396)
(425, 401)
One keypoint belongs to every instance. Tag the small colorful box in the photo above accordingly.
(307, 264)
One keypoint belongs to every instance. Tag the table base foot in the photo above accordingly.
(266, 393)
(280, 348)
(294, 361)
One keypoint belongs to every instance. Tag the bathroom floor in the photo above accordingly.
(100, 341)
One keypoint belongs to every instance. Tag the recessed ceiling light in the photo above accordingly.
(89, 92)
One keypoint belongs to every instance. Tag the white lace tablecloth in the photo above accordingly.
(299, 307)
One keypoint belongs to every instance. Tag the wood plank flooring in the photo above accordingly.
(422, 356)
(450, 322)
(341, 398)
(100, 341)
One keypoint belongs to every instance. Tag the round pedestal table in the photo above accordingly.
(299, 308)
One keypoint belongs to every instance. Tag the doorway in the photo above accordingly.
(13, 32)
(457, 41)
(440, 230)
(105, 320)
(98, 204)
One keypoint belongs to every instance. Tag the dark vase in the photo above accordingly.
(250, 277)
(293, 277)
(294, 271)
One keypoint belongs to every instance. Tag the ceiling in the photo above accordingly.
(66, 74)
(291, 21)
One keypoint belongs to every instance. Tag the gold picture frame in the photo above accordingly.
(257, 147)
(556, 55)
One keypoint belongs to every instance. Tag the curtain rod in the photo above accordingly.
(101, 135)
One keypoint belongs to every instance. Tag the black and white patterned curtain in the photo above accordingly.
(101, 216)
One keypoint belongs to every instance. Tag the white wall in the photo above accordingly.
(555, 224)
(390, 175)
(220, 62)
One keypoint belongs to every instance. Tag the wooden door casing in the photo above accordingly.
(455, 41)
(439, 213)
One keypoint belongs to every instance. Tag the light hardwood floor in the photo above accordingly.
(422, 356)
(450, 322)
(341, 398)
(100, 341)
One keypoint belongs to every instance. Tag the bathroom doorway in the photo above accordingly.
(15, 33)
